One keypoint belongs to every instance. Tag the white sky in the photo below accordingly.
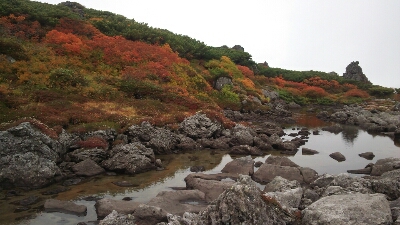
(320, 35)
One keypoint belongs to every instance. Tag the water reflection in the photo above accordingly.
(350, 134)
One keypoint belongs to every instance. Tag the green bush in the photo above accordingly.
(65, 78)
(380, 92)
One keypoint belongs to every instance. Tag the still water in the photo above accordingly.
(350, 143)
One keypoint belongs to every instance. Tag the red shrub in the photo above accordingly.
(314, 92)
(93, 142)
(356, 93)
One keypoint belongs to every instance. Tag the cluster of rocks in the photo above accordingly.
(370, 120)
(31, 159)
(291, 195)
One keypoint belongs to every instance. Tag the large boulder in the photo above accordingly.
(96, 154)
(267, 172)
(243, 204)
(211, 188)
(28, 157)
(149, 215)
(115, 218)
(130, 158)
(242, 135)
(161, 140)
(348, 209)
(388, 184)
(384, 165)
(287, 193)
(243, 165)
(199, 126)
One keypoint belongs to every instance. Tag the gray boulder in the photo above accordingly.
(54, 205)
(272, 95)
(87, 168)
(161, 140)
(308, 151)
(242, 135)
(242, 204)
(388, 183)
(346, 209)
(280, 161)
(149, 215)
(28, 157)
(130, 158)
(211, 188)
(199, 126)
(115, 218)
(287, 193)
(221, 82)
(384, 165)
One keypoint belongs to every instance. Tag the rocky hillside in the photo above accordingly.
(81, 69)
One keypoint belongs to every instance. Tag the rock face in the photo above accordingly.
(199, 126)
(354, 72)
(221, 82)
(130, 158)
(28, 157)
(349, 209)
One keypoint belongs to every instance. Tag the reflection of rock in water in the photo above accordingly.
(349, 134)
(397, 142)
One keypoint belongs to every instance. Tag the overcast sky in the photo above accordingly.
(320, 35)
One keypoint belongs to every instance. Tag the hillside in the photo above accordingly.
(81, 69)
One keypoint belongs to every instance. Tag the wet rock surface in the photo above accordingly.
(54, 205)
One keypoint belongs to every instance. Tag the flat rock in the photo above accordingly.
(243, 165)
(338, 156)
(348, 209)
(384, 165)
(87, 168)
(106, 205)
(245, 150)
(54, 205)
(361, 171)
(280, 161)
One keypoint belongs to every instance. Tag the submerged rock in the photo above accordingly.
(54, 205)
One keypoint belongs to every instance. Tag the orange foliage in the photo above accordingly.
(347, 87)
(325, 84)
(246, 71)
(69, 42)
(314, 92)
(356, 93)
(248, 83)
(296, 85)
(279, 81)
(93, 142)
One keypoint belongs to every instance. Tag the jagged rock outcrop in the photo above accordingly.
(28, 157)
(354, 72)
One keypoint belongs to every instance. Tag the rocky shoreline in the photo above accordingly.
(31, 159)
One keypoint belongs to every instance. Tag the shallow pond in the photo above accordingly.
(350, 143)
